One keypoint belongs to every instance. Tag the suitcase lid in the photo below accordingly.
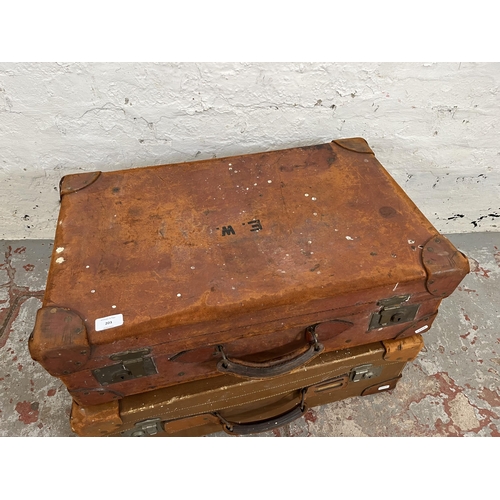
(156, 248)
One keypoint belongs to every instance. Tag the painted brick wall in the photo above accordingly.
(434, 126)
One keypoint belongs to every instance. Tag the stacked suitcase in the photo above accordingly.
(233, 294)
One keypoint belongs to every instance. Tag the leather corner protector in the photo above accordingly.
(387, 385)
(98, 420)
(445, 266)
(357, 144)
(75, 182)
(59, 341)
(403, 349)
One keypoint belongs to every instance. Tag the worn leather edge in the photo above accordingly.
(59, 341)
(445, 266)
(109, 393)
(357, 144)
(75, 182)
(405, 349)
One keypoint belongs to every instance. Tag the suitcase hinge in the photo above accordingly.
(133, 364)
(393, 312)
(364, 372)
(144, 428)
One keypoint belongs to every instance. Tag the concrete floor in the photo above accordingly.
(451, 389)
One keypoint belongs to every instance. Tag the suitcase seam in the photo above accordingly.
(326, 377)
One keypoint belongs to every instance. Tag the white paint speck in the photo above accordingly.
(310, 242)
(315, 213)
(314, 198)
(255, 184)
(60, 249)
(233, 288)
(192, 267)
(60, 260)
(348, 238)
(305, 194)
(248, 189)
(336, 229)
(410, 242)
(230, 168)
(114, 307)
(318, 272)
(269, 181)
(86, 267)
(179, 295)
(287, 255)
(230, 164)
(92, 291)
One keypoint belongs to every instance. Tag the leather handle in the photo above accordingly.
(268, 424)
(271, 368)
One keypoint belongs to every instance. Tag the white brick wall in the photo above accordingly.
(434, 126)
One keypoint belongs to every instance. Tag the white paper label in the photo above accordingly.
(383, 387)
(421, 329)
(108, 322)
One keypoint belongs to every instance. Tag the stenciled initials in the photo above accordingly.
(255, 225)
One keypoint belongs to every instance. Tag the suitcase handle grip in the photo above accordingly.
(270, 368)
(269, 424)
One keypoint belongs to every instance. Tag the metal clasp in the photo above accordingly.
(393, 312)
(364, 372)
(144, 428)
(133, 364)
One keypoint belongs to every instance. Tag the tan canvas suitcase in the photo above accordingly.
(250, 265)
(240, 406)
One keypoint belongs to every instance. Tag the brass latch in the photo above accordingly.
(144, 428)
(132, 364)
(393, 312)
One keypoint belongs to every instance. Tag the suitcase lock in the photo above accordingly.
(393, 312)
(132, 365)
(144, 428)
(364, 372)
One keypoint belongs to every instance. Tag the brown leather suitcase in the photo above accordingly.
(240, 406)
(251, 265)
